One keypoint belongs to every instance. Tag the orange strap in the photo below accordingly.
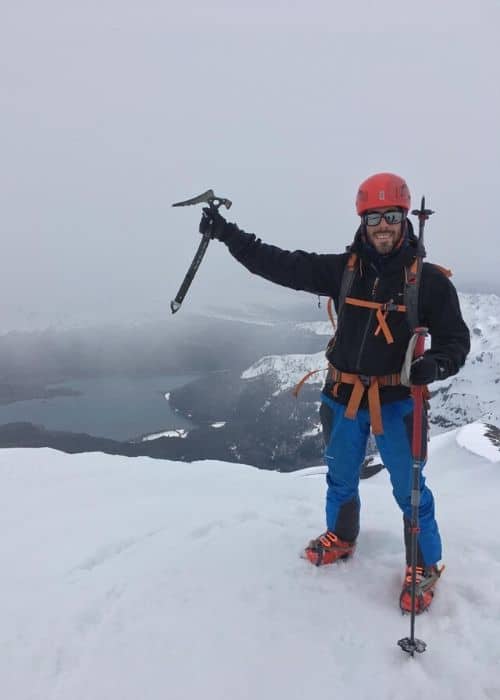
(304, 379)
(348, 378)
(328, 539)
(382, 311)
(329, 308)
(446, 272)
(352, 260)
(373, 404)
(411, 272)
(358, 391)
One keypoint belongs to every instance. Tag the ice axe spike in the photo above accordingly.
(214, 203)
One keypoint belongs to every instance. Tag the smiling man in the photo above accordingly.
(383, 228)
(363, 388)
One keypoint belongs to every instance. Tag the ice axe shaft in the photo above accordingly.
(214, 203)
(176, 303)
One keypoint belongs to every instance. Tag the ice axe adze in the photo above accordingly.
(214, 203)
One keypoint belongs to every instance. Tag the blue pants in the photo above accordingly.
(346, 442)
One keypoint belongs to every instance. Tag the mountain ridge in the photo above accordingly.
(454, 400)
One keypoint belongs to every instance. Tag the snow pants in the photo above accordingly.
(345, 442)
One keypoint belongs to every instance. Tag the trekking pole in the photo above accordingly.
(418, 449)
(214, 203)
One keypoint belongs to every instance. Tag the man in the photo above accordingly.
(363, 387)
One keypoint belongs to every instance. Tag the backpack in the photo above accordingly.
(413, 275)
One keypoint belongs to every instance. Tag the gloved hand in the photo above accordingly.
(425, 369)
(213, 223)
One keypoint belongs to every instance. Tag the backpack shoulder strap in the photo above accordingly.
(446, 272)
(413, 274)
(347, 279)
(345, 288)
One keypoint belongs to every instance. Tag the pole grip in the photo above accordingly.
(421, 333)
(417, 446)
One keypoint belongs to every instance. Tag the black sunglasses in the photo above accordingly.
(373, 218)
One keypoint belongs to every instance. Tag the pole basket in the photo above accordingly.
(412, 645)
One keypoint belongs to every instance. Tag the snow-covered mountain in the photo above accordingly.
(474, 393)
(136, 578)
(471, 395)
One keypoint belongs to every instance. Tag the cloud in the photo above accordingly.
(112, 111)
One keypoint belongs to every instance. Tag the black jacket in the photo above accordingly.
(356, 348)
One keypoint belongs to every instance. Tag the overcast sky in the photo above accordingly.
(111, 110)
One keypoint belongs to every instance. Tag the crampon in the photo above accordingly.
(426, 580)
(327, 549)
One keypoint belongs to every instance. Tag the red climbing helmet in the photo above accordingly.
(383, 190)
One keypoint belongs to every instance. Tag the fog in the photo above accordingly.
(111, 111)
(193, 345)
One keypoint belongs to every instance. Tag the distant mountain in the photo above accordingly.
(471, 395)
(475, 392)
(251, 416)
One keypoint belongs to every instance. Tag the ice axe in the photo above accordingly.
(214, 203)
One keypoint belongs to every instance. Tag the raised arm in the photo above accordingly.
(309, 272)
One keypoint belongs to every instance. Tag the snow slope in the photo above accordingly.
(131, 579)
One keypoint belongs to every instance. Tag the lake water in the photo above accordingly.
(121, 408)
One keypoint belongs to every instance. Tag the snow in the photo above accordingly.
(472, 437)
(315, 430)
(317, 327)
(240, 317)
(176, 432)
(137, 578)
(474, 393)
(288, 370)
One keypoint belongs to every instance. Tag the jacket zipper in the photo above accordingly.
(367, 327)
